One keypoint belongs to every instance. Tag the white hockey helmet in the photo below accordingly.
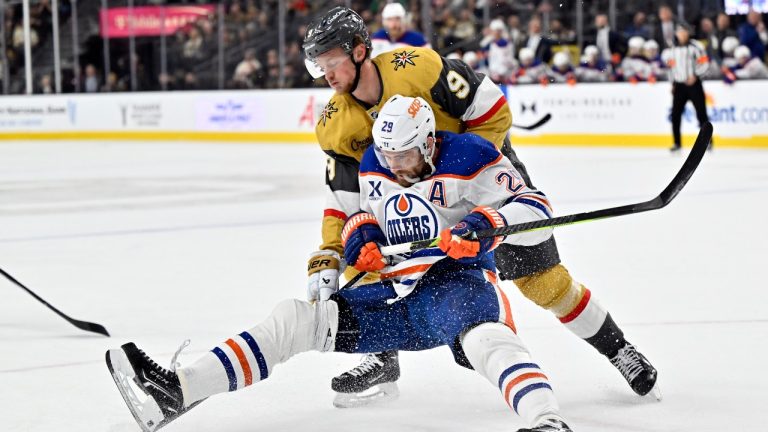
(402, 124)
(526, 54)
(651, 44)
(497, 25)
(730, 44)
(470, 58)
(591, 51)
(636, 43)
(742, 52)
(393, 10)
(561, 59)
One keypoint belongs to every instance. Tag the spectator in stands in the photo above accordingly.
(723, 30)
(394, 33)
(538, 43)
(635, 67)
(514, 33)
(531, 70)
(752, 34)
(562, 70)
(247, 72)
(639, 27)
(44, 86)
(559, 34)
(611, 44)
(91, 79)
(708, 35)
(665, 30)
(18, 39)
(592, 67)
(190, 81)
(113, 84)
(747, 66)
(466, 26)
(497, 51)
(193, 47)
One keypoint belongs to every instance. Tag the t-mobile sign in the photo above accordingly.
(150, 20)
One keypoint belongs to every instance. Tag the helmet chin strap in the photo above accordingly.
(358, 67)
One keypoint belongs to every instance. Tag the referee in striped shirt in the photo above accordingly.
(687, 62)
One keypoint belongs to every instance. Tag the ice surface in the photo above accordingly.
(161, 241)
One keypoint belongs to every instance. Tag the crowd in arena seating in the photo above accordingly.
(40, 17)
(639, 53)
(528, 41)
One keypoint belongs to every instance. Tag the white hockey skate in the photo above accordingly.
(152, 393)
(372, 382)
(548, 425)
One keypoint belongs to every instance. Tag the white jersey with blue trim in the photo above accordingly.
(381, 43)
(469, 172)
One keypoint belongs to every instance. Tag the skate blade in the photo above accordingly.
(147, 413)
(376, 395)
(655, 393)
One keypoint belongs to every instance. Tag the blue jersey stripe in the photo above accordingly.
(514, 368)
(227, 367)
(525, 390)
(536, 204)
(256, 353)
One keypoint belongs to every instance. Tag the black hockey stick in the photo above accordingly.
(354, 280)
(664, 198)
(83, 325)
(538, 124)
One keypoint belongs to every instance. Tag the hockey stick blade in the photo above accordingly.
(82, 325)
(536, 125)
(664, 198)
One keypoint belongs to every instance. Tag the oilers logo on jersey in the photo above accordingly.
(408, 217)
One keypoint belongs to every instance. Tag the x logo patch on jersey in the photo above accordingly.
(375, 191)
(402, 59)
(328, 112)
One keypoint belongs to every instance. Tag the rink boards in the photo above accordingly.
(615, 114)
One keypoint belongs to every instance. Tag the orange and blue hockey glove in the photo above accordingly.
(361, 237)
(455, 242)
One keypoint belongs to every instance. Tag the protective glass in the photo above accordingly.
(325, 62)
(405, 159)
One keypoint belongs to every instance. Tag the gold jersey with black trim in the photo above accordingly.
(462, 100)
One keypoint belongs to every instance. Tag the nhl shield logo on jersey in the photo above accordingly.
(408, 218)
(403, 59)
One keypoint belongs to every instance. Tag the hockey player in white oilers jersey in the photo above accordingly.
(417, 201)
(417, 184)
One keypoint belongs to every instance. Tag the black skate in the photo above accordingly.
(548, 425)
(637, 370)
(372, 381)
(158, 400)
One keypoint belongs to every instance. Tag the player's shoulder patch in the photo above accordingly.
(408, 58)
(343, 127)
(464, 155)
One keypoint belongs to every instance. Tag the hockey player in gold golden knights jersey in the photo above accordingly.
(337, 46)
